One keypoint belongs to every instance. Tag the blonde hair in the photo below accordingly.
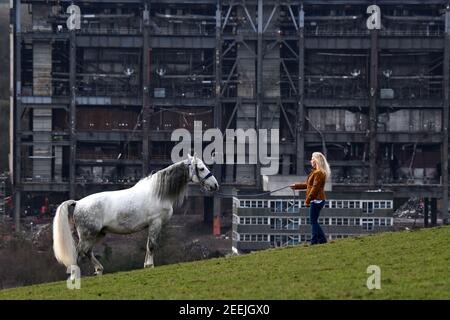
(322, 163)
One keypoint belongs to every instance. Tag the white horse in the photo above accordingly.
(148, 204)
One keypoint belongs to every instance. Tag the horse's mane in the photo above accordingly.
(171, 183)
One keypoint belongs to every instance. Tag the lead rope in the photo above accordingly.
(255, 194)
(262, 194)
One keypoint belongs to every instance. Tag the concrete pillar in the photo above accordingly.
(445, 119)
(373, 94)
(73, 112)
(146, 90)
(16, 45)
(300, 125)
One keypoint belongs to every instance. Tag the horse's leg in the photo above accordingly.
(97, 265)
(81, 246)
(83, 249)
(80, 253)
(153, 231)
(85, 246)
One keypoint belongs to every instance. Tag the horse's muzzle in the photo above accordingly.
(215, 187)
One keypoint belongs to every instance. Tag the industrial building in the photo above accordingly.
(282, 221)
(96, 92)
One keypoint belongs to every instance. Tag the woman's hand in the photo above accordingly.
(292, 186)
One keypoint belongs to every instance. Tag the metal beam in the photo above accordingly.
(372, 107)
(72, 108)
(218, 84)
(227, 16)
(300, 125)
(287, 120)
(146, 89)
(109, 136)
(250, 18)
(445, 120)
(292, 16)
(366, 2)
(128, 2)
(259, 85)
(289, 47)
(270, 17)
(249, 49)
(17, 111)
(289, 76)
(269, 47)
(225, 86)
(232, 116)
(228, 49)
(247, 119)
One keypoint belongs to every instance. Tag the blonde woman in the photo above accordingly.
(315, 194)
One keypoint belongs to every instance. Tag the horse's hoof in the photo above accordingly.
(98, 273)
(149, 265)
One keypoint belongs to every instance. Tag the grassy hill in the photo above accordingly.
(414, 265)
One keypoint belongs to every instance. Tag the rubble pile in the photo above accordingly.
(413, 208)
(42, 236)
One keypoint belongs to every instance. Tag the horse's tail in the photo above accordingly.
(63, 243)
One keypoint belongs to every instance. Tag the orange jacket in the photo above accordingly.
(315, 185)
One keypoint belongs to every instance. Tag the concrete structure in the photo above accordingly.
(93, 107)
(282, 221)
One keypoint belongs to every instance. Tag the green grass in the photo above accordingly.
(414, 265)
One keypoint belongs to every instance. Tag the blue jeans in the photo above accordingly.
(317, 234)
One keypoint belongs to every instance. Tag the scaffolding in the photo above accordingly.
(97, 105)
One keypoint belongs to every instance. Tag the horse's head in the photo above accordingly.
(199, 173)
